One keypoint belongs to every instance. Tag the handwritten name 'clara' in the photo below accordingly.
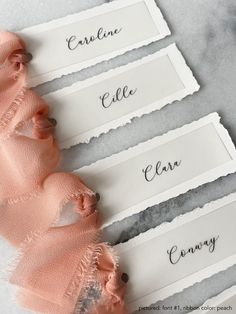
(73, 42)
(175, 254)
(151, 172)
(120, 94)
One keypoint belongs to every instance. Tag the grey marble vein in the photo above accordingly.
(205, 31)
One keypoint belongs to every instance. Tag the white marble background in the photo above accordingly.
(205, 31)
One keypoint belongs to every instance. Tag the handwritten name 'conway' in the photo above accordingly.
(74, 42)
(175, 254)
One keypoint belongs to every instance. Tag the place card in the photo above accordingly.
(107, 101)
(176, 255)
(222, 303)
(77, 41)
(161, 168)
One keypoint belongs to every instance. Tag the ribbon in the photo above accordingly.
(60, 269)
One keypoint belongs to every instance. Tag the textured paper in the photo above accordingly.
(80, 40)
(155, 276)
(222, 303)
(96, 105)
(203, 148)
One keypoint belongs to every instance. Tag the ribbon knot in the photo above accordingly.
(20, 56)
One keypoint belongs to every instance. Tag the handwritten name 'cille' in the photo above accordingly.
(121, 93)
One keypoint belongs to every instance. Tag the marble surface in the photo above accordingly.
(205, 31)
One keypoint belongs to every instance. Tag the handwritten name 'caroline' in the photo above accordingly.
(153, 171)
(74, 42)
(175, 254)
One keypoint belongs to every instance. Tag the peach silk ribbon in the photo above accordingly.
(60, 269)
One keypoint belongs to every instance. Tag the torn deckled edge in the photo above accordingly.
(199, 152)
(80, 40)
(89, 108)
(199, 265)
(223, 300)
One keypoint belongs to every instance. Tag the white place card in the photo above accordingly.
(176, 255)
(80, 40)
(222, 303)
(161, 168)
(94, 106)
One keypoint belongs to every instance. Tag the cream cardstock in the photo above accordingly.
(161, 168)
(176, 255)
(223, 303)
(94, 106)
(74, 42)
